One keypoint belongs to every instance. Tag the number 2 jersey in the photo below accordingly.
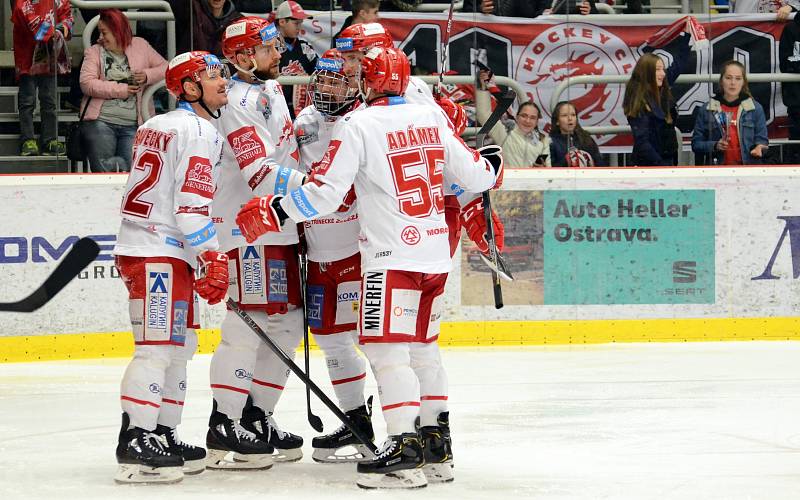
(398, 156)
(260, 158)
(167, 202)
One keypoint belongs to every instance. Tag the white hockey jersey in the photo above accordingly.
(398, 155)
(418, 92)
(260, 157)
(166, 207)
(335, 236)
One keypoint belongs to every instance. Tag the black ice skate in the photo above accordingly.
(398, 464)
(231, 447)
(194, 457)
(341, 445)
(142, 457)
(438, 450)
(288, 446)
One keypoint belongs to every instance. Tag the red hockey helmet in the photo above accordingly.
(332, 54)
(190, 65)
(454, 111)
(246, 33)
(363, 36)
(386, 70)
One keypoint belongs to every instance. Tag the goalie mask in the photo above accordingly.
(329, 89)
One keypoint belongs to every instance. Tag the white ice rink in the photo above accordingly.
(638, 421)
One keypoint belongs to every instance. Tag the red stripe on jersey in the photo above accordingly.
(140, 401)
(399, 405)
(258, 177)
(230, 388)
(351, 379)
(267, 384)
(172, 402)
(193, 210)
(433, 398)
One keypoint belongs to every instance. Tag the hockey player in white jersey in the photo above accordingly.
(260, 157)
(334, 266)
(398, 156)
(166, 231)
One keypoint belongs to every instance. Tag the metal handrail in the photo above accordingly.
(162, 5)
(705, 78)
(438, 7)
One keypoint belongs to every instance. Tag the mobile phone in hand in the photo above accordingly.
(541, 159)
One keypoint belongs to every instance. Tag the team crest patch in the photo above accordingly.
(247, 145)
(263, 106)
(199, 179)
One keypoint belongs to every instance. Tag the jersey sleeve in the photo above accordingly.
(195, 183)
(331, 179)
(465, 170)
(252, 145)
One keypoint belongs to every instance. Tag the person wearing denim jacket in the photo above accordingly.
(731, 128)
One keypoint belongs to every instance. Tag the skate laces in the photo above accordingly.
(241, 432)
(386, 448)
(272, 425)
(177, 440)
(149, 441)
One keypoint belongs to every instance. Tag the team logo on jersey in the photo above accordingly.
(247, 145)
(252, 272)
(316, 301)
(293, 68)
(154, 388)
(372, 304)
(405, 309)
(348, 295)
(242, 373)
(180, 314)
(565, 51)
(262, 105)
(199, 179)
(287, 131)
(307, 134)
(278, 281)
(410, 235)
(157, 322)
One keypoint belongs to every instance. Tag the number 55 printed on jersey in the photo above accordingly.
(417, 175)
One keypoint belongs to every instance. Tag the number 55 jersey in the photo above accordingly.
(166, 207)
(398, 156)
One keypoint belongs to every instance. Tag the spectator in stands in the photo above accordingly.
(650, 107)
(789, 56)
(299, 57)
(35, 22)
(114, 74)
(782, 8)
(363, 11)
(570, 145)
(523, 144)
(207, 19)
(529, 8)
(730, 129)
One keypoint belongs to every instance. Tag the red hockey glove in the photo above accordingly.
(258, 217)
(474, 221)
(494, 155)
(454, 112)
(212, 285)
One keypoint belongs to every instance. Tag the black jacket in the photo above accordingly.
(511, 8)
(298, 59)
(789, 57)
(558, 151)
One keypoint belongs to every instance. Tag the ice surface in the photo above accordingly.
(639, 421)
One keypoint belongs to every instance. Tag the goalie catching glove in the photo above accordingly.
(473, 218)
(260, 216)
(493, 155)
(212, 285)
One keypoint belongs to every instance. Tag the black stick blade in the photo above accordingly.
(81, 255)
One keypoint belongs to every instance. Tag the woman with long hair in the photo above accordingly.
(731, 128)
(570, 145)
(650, 107)
(115, 72)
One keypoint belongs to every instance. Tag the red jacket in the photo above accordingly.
(34, 21)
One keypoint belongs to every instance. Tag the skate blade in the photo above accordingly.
(439, 473)
(194, 467)
(291, 455)
(352, 454)
(143, 474)
(405, 479)
(228, 460)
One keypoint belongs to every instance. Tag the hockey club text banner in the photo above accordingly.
(543, 52)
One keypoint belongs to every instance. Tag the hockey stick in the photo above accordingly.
(81, 255)
(314, 421)
(494, 256)
(445, 48)
(302, 376)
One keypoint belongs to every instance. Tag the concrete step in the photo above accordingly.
(9, 144)
(64, 116)
(34, 165)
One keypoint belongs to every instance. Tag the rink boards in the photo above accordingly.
(600, 255)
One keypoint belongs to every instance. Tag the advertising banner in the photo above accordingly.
(541, 53)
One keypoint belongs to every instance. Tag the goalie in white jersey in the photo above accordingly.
(166, 231)
(398, 156)
(260, 157)
(334, 266)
